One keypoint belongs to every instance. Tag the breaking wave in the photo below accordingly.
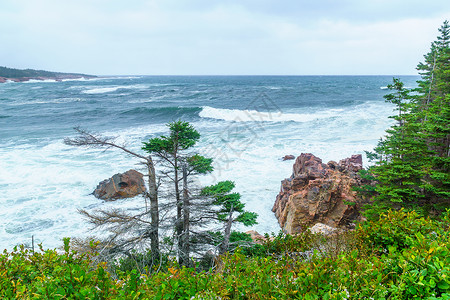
(237, 115)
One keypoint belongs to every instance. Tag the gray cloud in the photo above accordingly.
(219, 37)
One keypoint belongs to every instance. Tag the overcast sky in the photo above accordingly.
(211, 37)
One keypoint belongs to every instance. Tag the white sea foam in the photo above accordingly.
(147, 100)
(47, 185)
(101, 90)
(47, 101)
(123, 77)
(40, 81)
(237, 115)
(76, 79)
(110, 89)
(386, 88)
(273, 87)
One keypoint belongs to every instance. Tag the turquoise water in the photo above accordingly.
(247, 124)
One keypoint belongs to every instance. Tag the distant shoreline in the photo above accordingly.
(44, 78)
(17, 75)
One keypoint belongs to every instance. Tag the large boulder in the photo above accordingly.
(319, 193)
(125, 185)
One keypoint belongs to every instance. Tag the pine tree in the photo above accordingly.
(172, 150)
(398, 169)
(413, 164)
(434, 109)
(227, 204)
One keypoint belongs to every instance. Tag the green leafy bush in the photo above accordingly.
(52, 275)
(399, 256)
(396, 229)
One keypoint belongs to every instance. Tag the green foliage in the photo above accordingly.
(52, 275)
(229, 202)
(221, 187)
(142, 262)
(237, 236)
(367, 188)
(247, 218)
(421, 270)
(399, 256)
(182, 136)
(16, 73)
(200, 164)
(286, 243)
(398, 230)
(413, 162)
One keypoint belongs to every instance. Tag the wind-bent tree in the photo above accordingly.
(119, 222)
(413, 167)
(196, 208)
(226, 205)
(172, 150)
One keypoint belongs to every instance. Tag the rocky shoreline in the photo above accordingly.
(318, 193)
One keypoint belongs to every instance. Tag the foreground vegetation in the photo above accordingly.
(401, 256)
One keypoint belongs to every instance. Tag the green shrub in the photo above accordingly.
(52, 275)
(396, 229)
(400, 256)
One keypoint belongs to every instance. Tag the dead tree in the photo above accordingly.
(119, 222)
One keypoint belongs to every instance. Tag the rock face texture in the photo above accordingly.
(256, 237)
(319, 193)
(125, 185)
(323, 229)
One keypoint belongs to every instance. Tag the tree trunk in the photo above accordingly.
(185, 251)
(154, 210)
(179, 203)
(226, 239)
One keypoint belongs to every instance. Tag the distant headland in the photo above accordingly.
(16, 75)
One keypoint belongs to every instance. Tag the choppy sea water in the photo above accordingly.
(247, 124)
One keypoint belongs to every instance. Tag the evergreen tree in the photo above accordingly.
(398, 169)
(172, 150)
(413, 164)
(227, 204)
(433, 110)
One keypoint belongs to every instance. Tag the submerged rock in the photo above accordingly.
(125, 185)
(319, 193)
(288, 157)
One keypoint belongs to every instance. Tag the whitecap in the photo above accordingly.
(75, 79)
(101, 90)
(39, 81)
(237, 115)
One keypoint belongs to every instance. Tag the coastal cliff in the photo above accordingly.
(319, 193)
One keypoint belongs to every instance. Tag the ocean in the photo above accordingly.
(247, 124)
